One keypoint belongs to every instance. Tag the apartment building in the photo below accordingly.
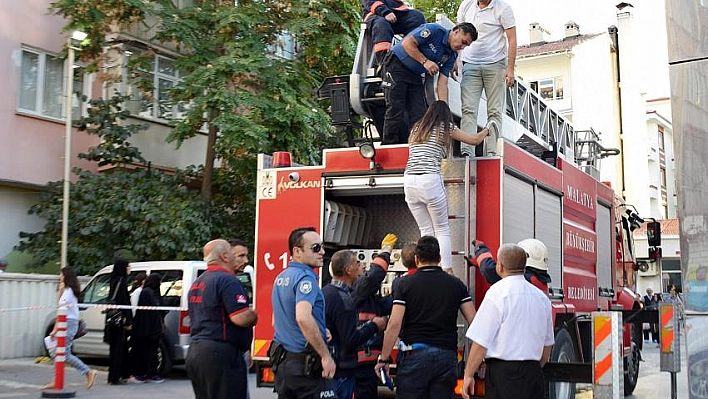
(32, 112)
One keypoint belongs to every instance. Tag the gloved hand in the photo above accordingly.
(388, 242)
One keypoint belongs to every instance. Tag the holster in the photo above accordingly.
(276, 353)
(313, 365)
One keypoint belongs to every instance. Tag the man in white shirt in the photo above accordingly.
(514, 356)
(487, 64)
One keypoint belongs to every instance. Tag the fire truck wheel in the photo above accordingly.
(631, 361)
(562, 352)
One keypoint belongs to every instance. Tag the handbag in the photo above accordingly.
(114, 317)
(81, 331)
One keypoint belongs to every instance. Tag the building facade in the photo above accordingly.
(601, 81)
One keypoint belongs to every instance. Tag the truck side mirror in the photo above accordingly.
(654, 234)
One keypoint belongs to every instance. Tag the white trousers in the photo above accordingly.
(427, 200)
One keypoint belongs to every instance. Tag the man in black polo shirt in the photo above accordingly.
(221, 327)
(424, 312)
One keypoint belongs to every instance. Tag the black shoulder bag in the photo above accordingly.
(114, 317)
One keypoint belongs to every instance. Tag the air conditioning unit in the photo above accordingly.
(648, 268)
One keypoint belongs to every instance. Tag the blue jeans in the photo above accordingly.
(427, 373)
(475, 78)
(72, 326)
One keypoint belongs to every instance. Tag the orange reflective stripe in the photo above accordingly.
(368, 356)
(366, 316)
(602, 367)
(382, 46)
(375, 5)
(480, 258)
(402, 8)
(381, 261)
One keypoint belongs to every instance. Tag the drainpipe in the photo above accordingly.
(612, 30)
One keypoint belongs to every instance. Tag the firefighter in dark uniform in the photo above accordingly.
(299, 351)
(221, 328)
(370, 304)
(425, 309)
(385, 18)
(342, 320)
(536, 271)
(429, 49)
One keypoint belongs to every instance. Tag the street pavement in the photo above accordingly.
(22, 378)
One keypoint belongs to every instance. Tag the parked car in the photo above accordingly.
(177, 277)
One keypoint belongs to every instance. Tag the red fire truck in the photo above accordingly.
(535, 181)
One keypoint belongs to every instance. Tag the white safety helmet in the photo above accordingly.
(536, 253)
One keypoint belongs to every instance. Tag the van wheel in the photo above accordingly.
(164, 361)
(631, 361)
(562, 352)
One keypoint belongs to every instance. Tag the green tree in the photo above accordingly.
(250, 100)
(146, 213)
(430, 8)
(114, 147)
(149, 214)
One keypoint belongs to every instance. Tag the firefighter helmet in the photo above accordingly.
(536, 253)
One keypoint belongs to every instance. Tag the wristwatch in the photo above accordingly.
(424, 61)
(382, 360)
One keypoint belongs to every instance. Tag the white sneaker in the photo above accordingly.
(491, 140)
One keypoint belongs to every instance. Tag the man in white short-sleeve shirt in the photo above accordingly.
(487, 64)
(512, 333)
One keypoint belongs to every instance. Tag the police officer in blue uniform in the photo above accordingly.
(429, 49)
(300, 353)
(221, 327)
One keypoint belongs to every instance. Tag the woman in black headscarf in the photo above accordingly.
(147, 332)
(116, 334)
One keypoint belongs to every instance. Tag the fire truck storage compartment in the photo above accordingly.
(358, 214)
(531, 210)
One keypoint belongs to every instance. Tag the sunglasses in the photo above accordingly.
(315, 247)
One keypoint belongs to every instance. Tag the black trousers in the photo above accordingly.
(216, 370)
(291, 382)
(366, 383)
(514, 380)
(118, 354)
(405, 93)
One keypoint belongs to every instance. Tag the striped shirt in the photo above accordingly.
(425, 158)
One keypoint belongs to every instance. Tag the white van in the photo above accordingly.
(177, 277)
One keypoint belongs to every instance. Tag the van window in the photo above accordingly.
(171, 287)
(97, 290)
(247, 284)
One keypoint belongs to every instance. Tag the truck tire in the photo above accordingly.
(631, 361)
(164, 360)
(562, 352)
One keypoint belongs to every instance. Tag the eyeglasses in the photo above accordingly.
(314, 247)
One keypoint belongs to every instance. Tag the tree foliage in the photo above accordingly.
(431, 7)
(102, 120)
(232, 82)
(149, 214)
